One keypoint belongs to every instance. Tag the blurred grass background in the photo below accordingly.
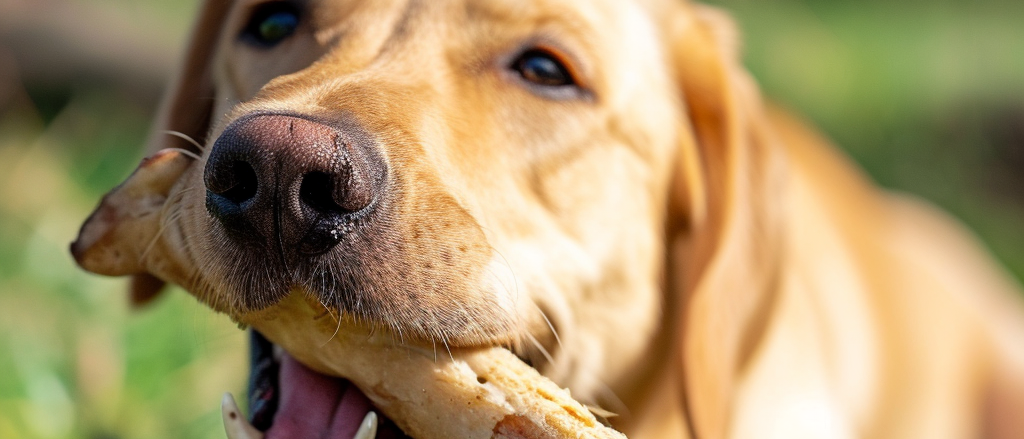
(78, 83)
(927, 95)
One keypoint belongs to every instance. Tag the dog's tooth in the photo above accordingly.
(278, 353)
(235, 425)
(368, 429)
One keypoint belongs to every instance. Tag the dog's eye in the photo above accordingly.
(542, 68)
(271, 23)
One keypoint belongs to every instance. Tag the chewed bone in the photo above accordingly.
(114, 240)
(123, 235)
(481, 393)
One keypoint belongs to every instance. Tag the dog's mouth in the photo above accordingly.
(289, 400)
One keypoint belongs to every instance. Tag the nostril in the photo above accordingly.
(245, 183)
(235, 181)
(315, 192)
(230, 184)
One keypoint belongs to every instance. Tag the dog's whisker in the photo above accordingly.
(511, 272)
(554, 332)
(337, 328)
(152, 243)
(165, 222)
(540, 347)
(187, 153)
(328, 309)
(332, 296)
(335, 293)
(514, 293)
(445, 343)
(397, 329)
(186, 138)
(170, 213)
(609, 397)
(471, 321)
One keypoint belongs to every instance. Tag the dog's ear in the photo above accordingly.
(725, 216)
(185, 111)
(188, 103)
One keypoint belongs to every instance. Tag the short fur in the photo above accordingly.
(666, 245)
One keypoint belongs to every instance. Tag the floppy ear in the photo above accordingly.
(725, 220)
(185, 111)
(188, 102)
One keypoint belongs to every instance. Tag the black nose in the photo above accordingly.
(289, 181)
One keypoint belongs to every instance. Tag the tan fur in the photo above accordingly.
(685, 255)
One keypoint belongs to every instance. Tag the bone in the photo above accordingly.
(123, 235)
(119, 236)
(471, 393)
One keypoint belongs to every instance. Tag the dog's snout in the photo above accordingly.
(291, 181)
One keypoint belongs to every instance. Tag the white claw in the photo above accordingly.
(235, 425)
(368, 429)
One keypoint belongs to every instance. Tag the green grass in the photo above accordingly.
(914, 91)
(75, 361)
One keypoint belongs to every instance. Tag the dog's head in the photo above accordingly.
(560, 177)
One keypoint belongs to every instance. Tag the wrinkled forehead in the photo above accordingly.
(606, 39)
(453, 17)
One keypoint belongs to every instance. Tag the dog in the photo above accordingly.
(596, 184)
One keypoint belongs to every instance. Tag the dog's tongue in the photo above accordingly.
(312, 405)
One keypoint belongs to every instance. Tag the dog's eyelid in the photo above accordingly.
(544, 68)
(271, 22)
(567, 80)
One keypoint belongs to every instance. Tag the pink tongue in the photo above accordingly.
(316, 406)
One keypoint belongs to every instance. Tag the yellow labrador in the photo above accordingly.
(595, 183)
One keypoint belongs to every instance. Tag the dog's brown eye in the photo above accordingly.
(271, 23)
(542, 68)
